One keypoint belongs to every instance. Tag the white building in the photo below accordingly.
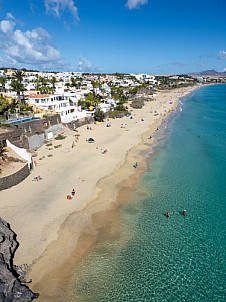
(59, 104)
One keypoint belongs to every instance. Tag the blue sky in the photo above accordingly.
(139, 36)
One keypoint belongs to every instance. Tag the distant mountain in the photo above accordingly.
(211, 72)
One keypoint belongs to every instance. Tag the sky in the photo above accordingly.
(107, 36)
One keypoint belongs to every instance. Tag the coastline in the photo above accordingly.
(73, 232)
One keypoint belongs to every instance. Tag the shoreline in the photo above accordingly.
(96, 220)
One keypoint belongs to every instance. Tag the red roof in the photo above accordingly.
(40, 96)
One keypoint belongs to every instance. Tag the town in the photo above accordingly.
(76, 95)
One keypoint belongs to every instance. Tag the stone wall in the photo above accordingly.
(39, 126)
(78, 123)
(9, 181)
(15, 136)
(20, 134)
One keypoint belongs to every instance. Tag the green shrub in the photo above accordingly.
(137, 104)
(118, 114)
(58, 146)
(112, 114)
(60, 137)
(99, 115)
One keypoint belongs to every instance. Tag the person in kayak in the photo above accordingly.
(184, 212)
(168, 214)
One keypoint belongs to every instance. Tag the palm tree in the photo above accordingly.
(53, 82)
(42, 85)
(17, 84)
(95, 85)
(2, 82)
(4, 104)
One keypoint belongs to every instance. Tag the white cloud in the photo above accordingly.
(29, 47)
(9, 16)
(221, 55)
(131, 4)
(56, 6)
(84, 64)
(6, 26)
(67, 26)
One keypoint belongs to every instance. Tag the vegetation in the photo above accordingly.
(90, 101)
(60, 137)
(3, 82)
(4, 105)
(53, 81)
(99, 115)
(7, 125)
(134, 90)
(43, 85)
(137, 104)
(58, 146)
(17, 85)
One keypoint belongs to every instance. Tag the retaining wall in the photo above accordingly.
(11, 180)
(78, 123)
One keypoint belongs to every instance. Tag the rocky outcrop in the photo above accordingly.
(11, 287)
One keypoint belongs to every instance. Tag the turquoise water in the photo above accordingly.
(178, 258)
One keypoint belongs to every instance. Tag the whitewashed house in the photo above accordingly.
(58, 103)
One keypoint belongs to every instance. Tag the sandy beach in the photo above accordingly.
(55, 232)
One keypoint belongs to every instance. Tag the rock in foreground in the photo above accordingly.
(11, 289)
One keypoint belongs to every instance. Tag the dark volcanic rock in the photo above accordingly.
(11, 289)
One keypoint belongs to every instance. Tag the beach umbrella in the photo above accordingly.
(91, 140)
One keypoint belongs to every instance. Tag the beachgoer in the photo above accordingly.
(81, 179)
(168, 214)
(184, 212)
(73, 192)
(136, 164)
(35, 162)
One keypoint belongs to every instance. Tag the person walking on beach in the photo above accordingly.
(136, 164)
(73, 192)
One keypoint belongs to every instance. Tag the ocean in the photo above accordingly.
(180, 258)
